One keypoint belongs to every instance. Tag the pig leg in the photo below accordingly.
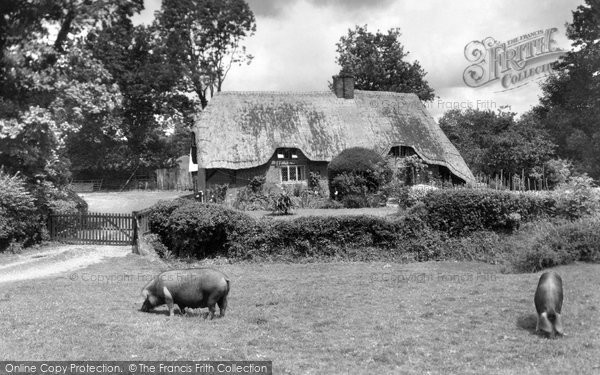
(211, 310)
(558, 326)
(182, 309)
(169, 301)
(222, 306)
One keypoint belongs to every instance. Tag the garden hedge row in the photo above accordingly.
(453, 224)
(461, 211)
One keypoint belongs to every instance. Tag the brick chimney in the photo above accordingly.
(343, 85)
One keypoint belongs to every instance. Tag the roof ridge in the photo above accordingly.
(313, 92)
(256, 92)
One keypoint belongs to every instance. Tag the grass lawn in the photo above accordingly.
(127, 201)
(437, 317)
(299, 212)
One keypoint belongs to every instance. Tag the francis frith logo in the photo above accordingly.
(513, 63)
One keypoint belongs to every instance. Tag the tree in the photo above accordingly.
(570, 106)
(377, 62)
(494, 143)
(203, 40)
(45, 93)
(150, 103)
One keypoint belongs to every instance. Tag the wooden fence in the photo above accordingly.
(85, 186)
(141, 221)
(94, 228)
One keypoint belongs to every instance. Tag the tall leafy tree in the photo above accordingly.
(47, 89)
(378, 63)
(570, 106)
(494, 143)
(204, 39)
(145, 80)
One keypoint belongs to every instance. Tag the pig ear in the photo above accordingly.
(544, 323)
(558, 325)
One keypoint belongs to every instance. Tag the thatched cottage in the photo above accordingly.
(286, 135)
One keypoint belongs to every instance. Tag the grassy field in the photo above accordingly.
(127, 201)
(436, 317)
(299, 212)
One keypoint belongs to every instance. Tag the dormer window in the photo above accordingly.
(402, 151)
(287, 153)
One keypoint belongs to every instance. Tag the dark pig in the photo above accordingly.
(548, 303)
(193, 288)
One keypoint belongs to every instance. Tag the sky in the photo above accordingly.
(294, 46)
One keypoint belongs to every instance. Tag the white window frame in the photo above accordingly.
(300, 172)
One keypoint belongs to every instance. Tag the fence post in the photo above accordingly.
(134, 221)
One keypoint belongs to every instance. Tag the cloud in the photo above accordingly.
(294, 46)
(277, 8)
(269, 8)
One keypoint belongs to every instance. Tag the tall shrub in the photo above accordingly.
(357, 172)
(19, 218)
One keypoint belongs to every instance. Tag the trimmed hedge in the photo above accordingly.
(462, 211)
(195, 229)
(205, 230)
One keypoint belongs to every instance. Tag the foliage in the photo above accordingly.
(576, 198)
(411, 170)
(314, 181)
(462, 211)
(357, 173)
(377, 62)
(160, 213)
(199, 229)
(253, 197)
(203, 40)
(206, 230)
(61, 201)
(568, 108)
(552, 244)
(409, 196)
(19, 218)
(282, 204)
(150, 105)
(556, 171)
(256, 183)
(496, 143)
(217, 193)
(159, 248)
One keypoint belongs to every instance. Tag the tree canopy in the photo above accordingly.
(203, 40)
(494, 143)
(570, 106)
(378, 63)
(83, 89)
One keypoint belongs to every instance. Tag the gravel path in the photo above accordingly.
(57, 260)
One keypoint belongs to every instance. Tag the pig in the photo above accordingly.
(548, 304)
(193, 287)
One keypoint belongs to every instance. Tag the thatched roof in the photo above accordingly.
(240, 130)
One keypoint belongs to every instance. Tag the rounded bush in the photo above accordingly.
(357, 171)
(355, 159)
(198, 229)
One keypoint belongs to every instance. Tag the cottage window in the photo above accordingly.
(286, 153)
(401, 151)
(292, 173)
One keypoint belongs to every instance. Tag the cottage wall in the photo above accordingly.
(271, 170)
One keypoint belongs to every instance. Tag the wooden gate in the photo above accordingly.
(93, 228)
